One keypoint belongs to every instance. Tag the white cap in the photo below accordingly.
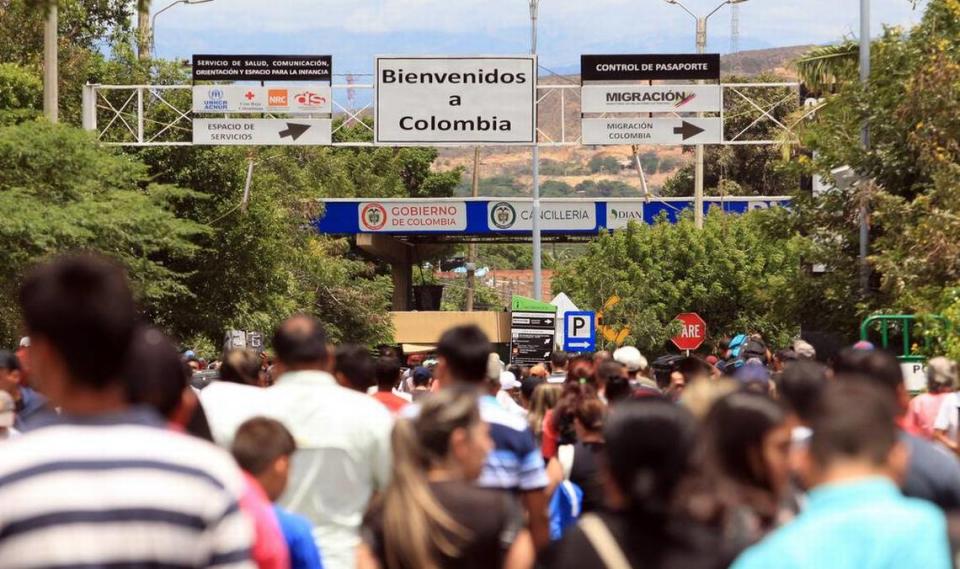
(8, 410)
(25, 342)
(508, 381)
(631, 358)
(494, 367)
(804, 350)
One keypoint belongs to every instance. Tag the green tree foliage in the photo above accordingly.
(601, 164)
(912, 103)
(485, 297)
(744, 169)
(20, 94)
(740, 273)
(61, 191)
(261, 260)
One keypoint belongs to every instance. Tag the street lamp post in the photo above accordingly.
(701, 47)
(537, 277)
(151, 33)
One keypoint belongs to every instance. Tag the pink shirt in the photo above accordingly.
(922, 413)
(269, 547)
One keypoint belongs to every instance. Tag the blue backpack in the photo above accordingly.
(567, 500)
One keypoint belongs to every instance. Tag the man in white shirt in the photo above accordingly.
(343, 440)
(947, 424)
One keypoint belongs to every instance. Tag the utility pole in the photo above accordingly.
(698, 171)
(144, 33)
(472, 246)
(537, 277)
(864, 144)
(701, 47)
(51, 97)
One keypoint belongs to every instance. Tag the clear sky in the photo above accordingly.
(354, 31)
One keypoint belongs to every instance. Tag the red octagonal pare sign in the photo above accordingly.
(693, 333)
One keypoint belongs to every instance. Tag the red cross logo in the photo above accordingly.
(249, 95)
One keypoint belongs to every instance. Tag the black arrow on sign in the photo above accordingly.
(294, 130)
(687, 130)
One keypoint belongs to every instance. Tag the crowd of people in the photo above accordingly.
(121, 451)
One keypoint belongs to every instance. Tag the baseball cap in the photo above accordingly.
(804, 350)
(942, 371)
(631, 358)
(508, 381)
(753, 371)
(421, 374)
(8, 410)
(864, 345)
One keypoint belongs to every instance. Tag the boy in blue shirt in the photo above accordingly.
(263, 448)
(856, 517)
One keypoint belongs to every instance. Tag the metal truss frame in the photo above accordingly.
(160, 115)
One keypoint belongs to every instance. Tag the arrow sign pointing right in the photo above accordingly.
(687, 130)
(295, 130)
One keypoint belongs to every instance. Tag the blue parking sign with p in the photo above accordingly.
(579, 332)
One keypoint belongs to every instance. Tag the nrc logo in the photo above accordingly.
(277, 97)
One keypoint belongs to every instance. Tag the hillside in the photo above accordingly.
(505, 171)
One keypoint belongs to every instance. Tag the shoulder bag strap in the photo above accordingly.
(603, 542)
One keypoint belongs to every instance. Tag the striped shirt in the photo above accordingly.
(119, 492)
(515, 462)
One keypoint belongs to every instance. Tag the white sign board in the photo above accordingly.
(621, 213)
(914, 375)
(419, 215)
(261, 132)
(649, 98)
(614, 131)
(315, 99)
(456, 100)
(557, 216)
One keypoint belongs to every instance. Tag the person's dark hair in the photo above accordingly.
(529, 385)
(259, 442)
(616, 387)
(241, 366)
(692, 367)
(591, 412)
(558, 360)
(83, 305)
(855, 419)
(580, 369)
(801, 385)
(879, 366)
(9, 361)
(154, 373)
(572, 397)
(300, 340)
(355, 363)
(732, 437)
(786, 355)
(465, 349)
(647, 468)
(387, 373)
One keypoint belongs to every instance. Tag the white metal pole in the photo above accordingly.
(698, 171)
(51, 106)
(537, 276)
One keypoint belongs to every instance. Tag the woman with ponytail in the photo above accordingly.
(648, 443)
(432, 515)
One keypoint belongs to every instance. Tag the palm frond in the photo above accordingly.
(824, 66)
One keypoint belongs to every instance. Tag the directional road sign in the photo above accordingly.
(614, 131)
(650, 98)
(579, 332)
(693, 331)
(280, 132)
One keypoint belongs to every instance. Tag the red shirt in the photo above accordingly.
(393, 402)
